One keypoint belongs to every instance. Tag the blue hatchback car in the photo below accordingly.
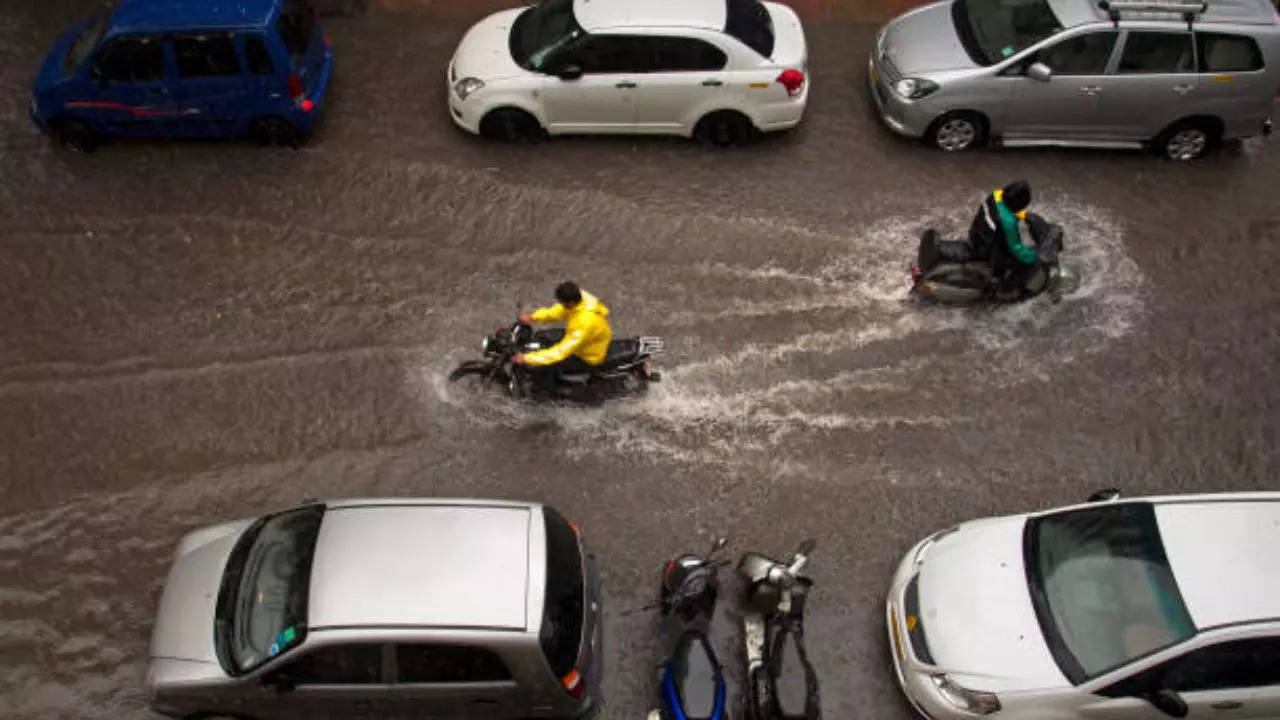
(186, 69)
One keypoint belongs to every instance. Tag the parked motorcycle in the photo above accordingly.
(691, 683)
(781, 684)
(627, 369)
(949, 271)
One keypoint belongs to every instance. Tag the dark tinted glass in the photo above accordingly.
(1157, 52)
(609, 54)
(257, 56)
(296, 24)
(206, 55)
(337, 665)
(1240, 664)
(423, 663)
(673, 54)
(131, 59)
(750, 22)
(1080, 55)
(562, 618)
(1227, 53)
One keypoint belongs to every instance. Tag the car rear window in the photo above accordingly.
(296, 24)
(1227, 53)
(749, 21)
(562, 609)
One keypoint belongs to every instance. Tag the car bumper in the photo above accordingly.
(306, 120)
(904, 117)
(465, 115)
(913, 676)
(783, 115)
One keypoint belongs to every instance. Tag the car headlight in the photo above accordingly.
(975, 701)
(914, 88)
(466, 86)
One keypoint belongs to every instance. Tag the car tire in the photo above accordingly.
(1186, 141)
(74, 133)
(511, 125)
(957, 132)
(722, 129)
(272, 130)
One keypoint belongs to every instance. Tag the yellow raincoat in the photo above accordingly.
(586, 334)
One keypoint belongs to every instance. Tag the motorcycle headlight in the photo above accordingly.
(974, 701)
(914, 88)
(467, 85)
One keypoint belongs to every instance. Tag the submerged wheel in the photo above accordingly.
(723, 128)
(957, 132)
(275, 131)
(76, 134)
(511, 125)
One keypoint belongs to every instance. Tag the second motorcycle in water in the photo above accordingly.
(780, 682)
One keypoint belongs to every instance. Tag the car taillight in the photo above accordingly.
(328, 41)
(295, 85)
(572, 682)
(792, 80)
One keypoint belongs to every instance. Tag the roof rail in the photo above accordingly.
(1190, 10)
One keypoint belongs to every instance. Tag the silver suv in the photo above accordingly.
(1176, 76)
(396, 608)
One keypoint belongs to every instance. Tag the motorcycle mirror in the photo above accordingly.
(807, 547)
(718, 545)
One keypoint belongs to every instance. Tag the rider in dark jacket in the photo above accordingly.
(997, 233)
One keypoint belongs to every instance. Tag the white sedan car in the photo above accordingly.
(1139, 609)
(714, 69)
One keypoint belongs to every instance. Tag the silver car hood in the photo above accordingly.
(185, 621)
(924, 40)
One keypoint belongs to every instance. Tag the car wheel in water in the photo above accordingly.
(511, 125)
(275, 131)
(956, 132)
(76, 134)
(723, 128)
(1186, 141)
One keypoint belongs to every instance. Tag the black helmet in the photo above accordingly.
(568, 293)
(1017, 195)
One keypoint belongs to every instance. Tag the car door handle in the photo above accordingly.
(712, 83)
(1183, 89)
(1091, 89)
(625, 84)
(1227, 705)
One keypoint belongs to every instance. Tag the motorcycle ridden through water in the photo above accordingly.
(781, 684)
(949, 271)
(691, 684)
(627, 369)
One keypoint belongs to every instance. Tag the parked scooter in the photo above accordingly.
(780, 682)
(691, 685)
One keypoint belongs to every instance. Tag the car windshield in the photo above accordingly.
(542, 30)
(88, 39)
(750, 22)
(262, 605)
(992, 30)
(1102, 588)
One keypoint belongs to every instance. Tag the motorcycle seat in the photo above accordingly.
(696, 677)
(621, 352)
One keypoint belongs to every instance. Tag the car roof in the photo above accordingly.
(1220, 551)
(595, 15)
(166, 15)
(423, 563)
(1245, 12)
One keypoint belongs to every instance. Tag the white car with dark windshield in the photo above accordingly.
(718, 70)
(1139, 609)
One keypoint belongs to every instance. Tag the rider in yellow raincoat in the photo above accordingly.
(586, 335)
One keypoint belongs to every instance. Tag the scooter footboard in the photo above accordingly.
(795, 683)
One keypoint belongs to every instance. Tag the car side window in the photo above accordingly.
(335, 665)
(133, 59)
(257, 57)
(1236, 664)
(1157, 52)
(605, 54)
(432, 663)
(1219, 53)
(1085, 54)
(676, 54)
(206, 55)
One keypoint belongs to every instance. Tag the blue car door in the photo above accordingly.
(213, 87)
(130, 95)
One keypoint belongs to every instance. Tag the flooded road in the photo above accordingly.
(192, 332)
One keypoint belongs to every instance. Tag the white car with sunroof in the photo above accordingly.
(1139, 609)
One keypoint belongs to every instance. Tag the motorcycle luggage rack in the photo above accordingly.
(1190, 11)
(651, 345)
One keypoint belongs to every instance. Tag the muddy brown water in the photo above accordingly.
(191, 332)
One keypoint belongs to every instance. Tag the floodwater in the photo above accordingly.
(193, 332)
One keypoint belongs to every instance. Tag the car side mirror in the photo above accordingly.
(1039, 71)
(571, 71)
(1168, 702)
(1105, 495)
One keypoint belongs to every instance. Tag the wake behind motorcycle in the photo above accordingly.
(781, 683)
(626, 370)
(949, 271)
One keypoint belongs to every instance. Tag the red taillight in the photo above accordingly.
(573, 684)
(307, 105)
(792, 80)
(295, 85)
(328, 41)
